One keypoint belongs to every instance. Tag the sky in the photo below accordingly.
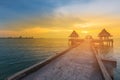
(57, 18)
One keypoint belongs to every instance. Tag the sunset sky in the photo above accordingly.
(57, 18)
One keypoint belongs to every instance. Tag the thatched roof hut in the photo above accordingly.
(104, 33)
(74, 34)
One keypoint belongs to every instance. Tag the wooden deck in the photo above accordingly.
(79, 63)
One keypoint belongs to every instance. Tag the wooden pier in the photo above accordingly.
(79, 63)
(82, 61)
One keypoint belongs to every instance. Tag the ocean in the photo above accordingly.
(18, 54)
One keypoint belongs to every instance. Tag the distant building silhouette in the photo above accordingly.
(74, 34)
(104, 37)
(73, 38)
(104, 34)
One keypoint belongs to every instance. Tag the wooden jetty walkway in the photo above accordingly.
(79, 63)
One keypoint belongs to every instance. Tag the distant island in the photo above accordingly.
(20, 37)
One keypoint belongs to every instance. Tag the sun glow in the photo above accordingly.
(84, 32)
(85, 25)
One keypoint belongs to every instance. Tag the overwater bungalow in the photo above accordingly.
(73, 38)
(105, 39)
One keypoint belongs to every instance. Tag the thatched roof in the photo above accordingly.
(104, 33)
(74, 34)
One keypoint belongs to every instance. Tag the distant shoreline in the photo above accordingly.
(28, 38)
(16, 38)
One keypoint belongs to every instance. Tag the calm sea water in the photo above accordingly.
(18, 54)
(116, 55)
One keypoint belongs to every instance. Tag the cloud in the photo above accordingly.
(93, 8)
(55, 13)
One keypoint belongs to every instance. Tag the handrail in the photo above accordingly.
(101, 65)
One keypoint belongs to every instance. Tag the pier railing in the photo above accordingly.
(103, 69)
